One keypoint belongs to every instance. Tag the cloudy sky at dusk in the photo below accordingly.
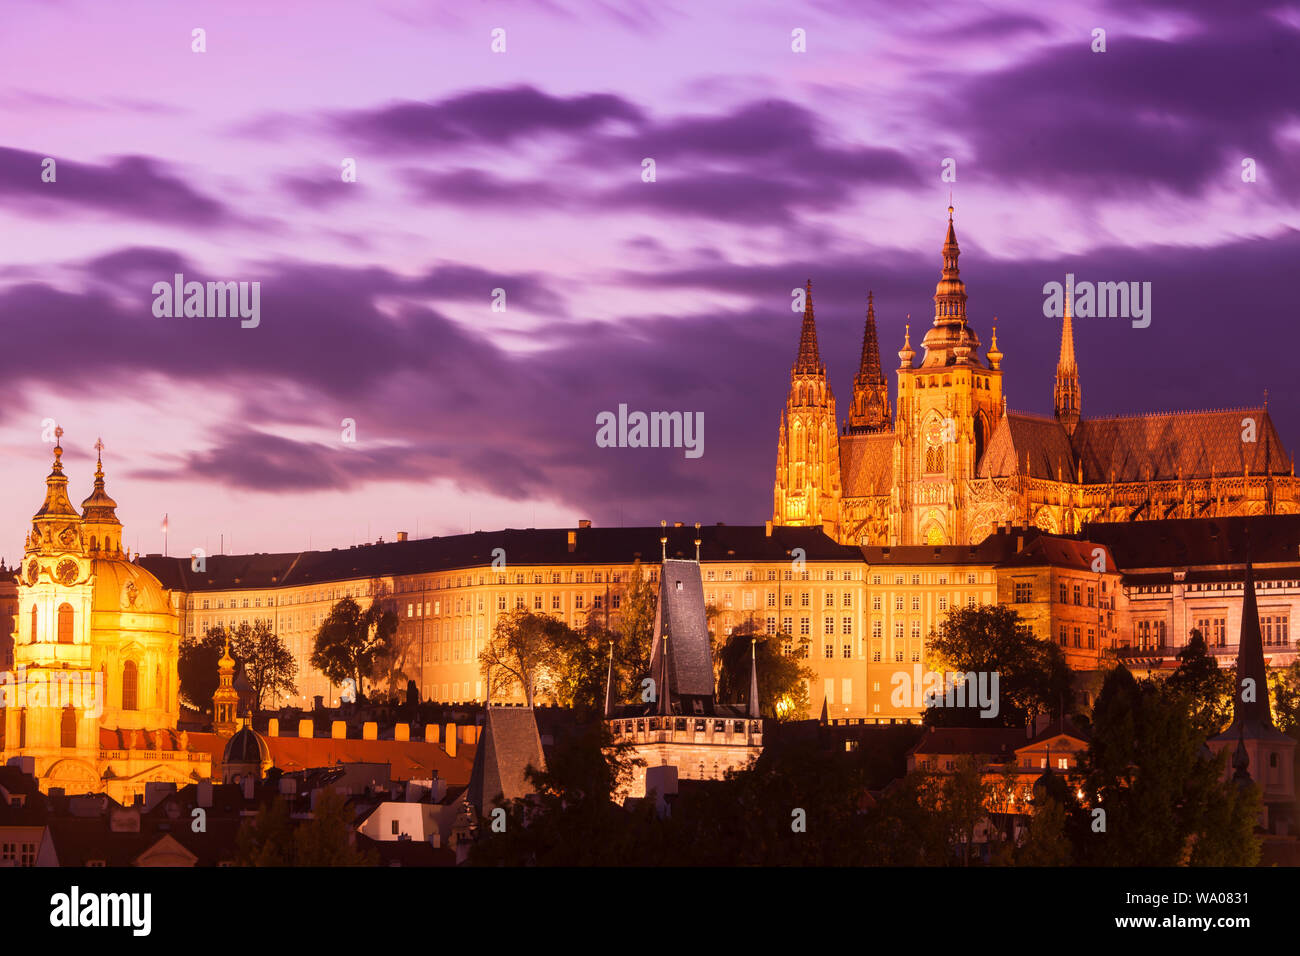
(522, 171)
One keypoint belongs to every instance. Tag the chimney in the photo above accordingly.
(402, 536)
(1020, 542)
(204, 796)
(584, 522)
(573, 541)
(247, 784)
(767, 526)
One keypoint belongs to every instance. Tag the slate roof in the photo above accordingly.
(1017, 435)
(681, 615)
(510, 743)
(524, 547)
(867, 464)
(997, 547)
(987, 741)
(1132, 448)
(1197, 444)
(1060, 552)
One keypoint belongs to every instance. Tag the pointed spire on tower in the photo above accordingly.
(753, 708)
(906, 353)
(664, 696)
(809, 359)
(1067, 397)
(994, 354)
(1250, 659)
(870, 410)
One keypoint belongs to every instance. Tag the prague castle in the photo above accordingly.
(954, 464)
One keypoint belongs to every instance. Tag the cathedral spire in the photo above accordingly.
(809, 360)
(942, 341)
(1067, 397)
(752, 709)
(870, 409)
(1250, 660)
(54, 524)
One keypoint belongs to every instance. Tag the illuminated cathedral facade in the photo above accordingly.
(953, 464)
(93, 699)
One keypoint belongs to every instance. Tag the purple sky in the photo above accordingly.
(522, 171)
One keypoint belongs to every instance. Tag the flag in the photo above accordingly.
(164, 524)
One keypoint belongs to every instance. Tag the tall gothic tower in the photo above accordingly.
(807, 490)
(870, 410)
(947, 407)
(1067, 397)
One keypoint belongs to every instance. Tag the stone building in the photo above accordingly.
(955, 464)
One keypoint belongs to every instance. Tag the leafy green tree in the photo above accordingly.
(266, 839)
(1032, 674)
(523, 650)
(328, 838)
(1284, 683)
(782, 693)
(197, 667)
(269, 666)
(634, 622)
(1208, 689)
(351, 641)
(1166, 799)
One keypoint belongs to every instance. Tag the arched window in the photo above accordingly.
(65, 623)
(22, 728)
(68, 729)
(36, 620)
(129, 686)
(934, 459)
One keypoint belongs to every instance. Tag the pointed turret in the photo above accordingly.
(994, 353)
(809, 360)
(950, 331)
(906, 353)
(55, 526)
(1250, 663)
(99, 521)
(870, 410)
(225, 700)
(1067, 396)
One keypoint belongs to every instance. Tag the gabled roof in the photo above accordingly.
(1018, 435)
(1061, 553)
(985, 741)
(867, 464)
(509, 745)
(1169, 444)
(682, 617)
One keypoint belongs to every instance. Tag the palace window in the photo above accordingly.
(1024, 592)
(916, 602)
(68, 729)
(847, 625)
(943, 602)
(787, 599)
(1065, 595)
(555, 602)
(1077, 600)
(771, 625)
(1092, 596)
(898, 602)
(846, 650)
(875, 602)
(828, 625)
(771, 599)
(805, 626)
(830, 599)
(65, 623)
(804, 599)
(830, 651)
(876, 629)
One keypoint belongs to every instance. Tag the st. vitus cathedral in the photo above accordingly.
(954, 464)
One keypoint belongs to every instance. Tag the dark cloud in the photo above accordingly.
(485, 117)
(131, 186)
(476, 187)
(1146, 113)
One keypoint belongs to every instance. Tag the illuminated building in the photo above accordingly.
(90, 620)
(955, 464)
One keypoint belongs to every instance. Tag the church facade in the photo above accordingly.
(91, 704)
(953, 464)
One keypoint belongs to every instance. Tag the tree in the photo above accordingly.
(581, 665)
(523, 650)
(635, 625)
(782, 691)
(1166, 799)
(350, 641)
(269, 666)
(1208, 689)
(197, 667)
(271, 838)
(1285, 686)
(991, 639)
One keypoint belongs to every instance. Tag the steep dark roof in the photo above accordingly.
(867, 464)
(1170, 444)
(1017, 436)
(987, 741)
(681, 616)
(527, 547)
(1060, 552)
(997, 547)
(510, 743)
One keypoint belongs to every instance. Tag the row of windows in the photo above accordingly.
(1063, 638)
(805, 625)
(972, 577)
(1075, 589)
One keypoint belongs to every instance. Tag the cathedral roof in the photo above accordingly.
(867, 464)
(1017, 437)
(1168, 445)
